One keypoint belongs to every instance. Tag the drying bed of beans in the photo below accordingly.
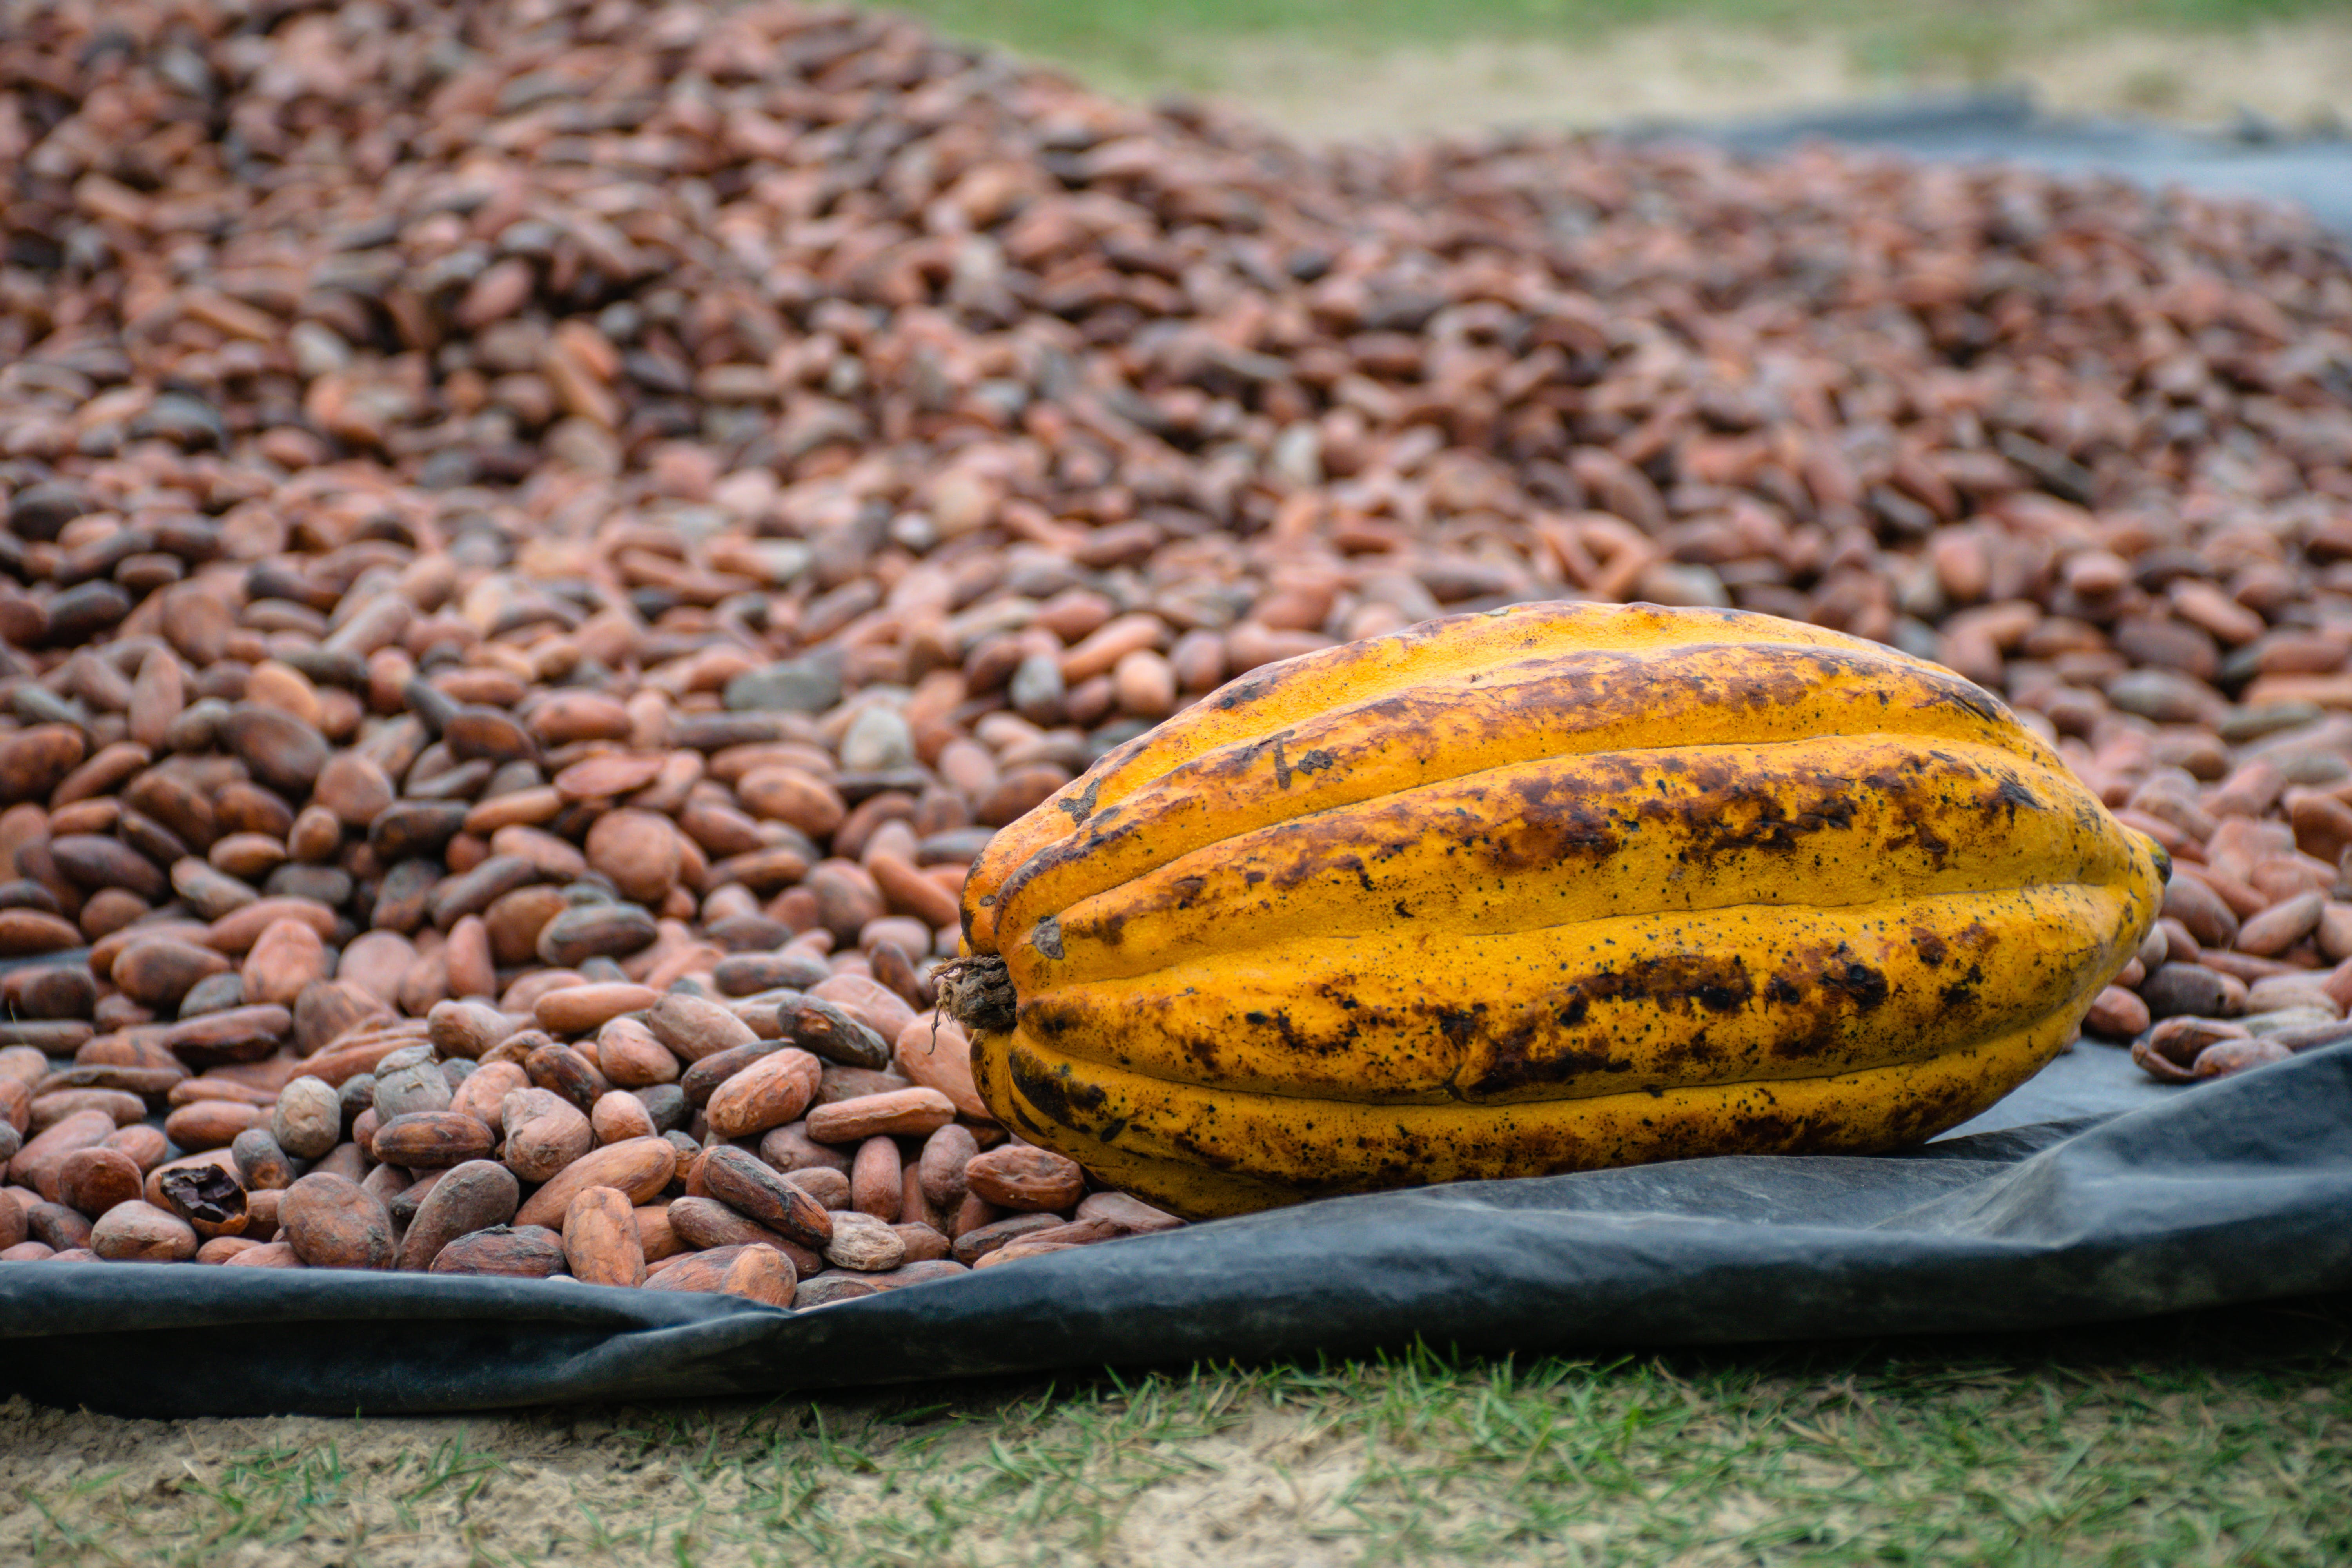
(542, 539)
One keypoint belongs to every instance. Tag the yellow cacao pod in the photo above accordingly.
(1550, 889)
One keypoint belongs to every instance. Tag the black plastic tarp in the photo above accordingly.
(2256, 160)
(2238, 1190)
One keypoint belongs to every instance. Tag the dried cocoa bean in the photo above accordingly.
(746, 1185)
(601, 1245)
(525, 1252)
(331, 1223)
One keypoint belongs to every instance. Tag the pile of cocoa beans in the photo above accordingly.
(542, 536)
(477, 1141)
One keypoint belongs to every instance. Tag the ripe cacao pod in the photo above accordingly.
(1548, 889)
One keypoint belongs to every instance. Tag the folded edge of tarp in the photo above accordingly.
(2238, 1191)
(2008, 127)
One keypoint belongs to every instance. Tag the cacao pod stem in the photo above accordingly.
(977, 992)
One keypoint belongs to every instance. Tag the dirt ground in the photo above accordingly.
(1266, 1491)
(2297, 76)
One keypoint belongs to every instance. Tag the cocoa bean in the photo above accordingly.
(694, 1028)
(1026, 1180)
(701, 1081)
(768, 1092)
(826, 1186)
(865, 1244)
(544, 1133)
(137, 1232)
(210, 1200)
(828, 1031)
(566, 1073)
(523, 1252)
(971, 1246)
(431, 1140)
(912, 1113)
(331, 1223)
(93, 1181)
(746, 1185)
(790, 1148)
(307, 1119)
(877, 1182)
(946, 1153)
(639, 1167)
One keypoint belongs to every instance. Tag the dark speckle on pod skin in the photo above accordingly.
(1081, 806)
(1047, 937)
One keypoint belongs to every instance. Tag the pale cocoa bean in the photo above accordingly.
(702, 1272)
(36, 1164)
(467, 1029)
(863, 1243)
(921, 1243)
(763, 1275)
(2117, 1013)
(656, 1235)
(285, 959)
(701, 1081)
(876, 1005)
(48, 1109)
(638, 850)
(266, 1255)
(307, 1119)
(212, 1123)
(1014, 1252)
(936, 1053)
(1128, 1215)
(483, 1094)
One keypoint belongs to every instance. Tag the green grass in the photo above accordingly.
(2218, 1438)
(1177, 44)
